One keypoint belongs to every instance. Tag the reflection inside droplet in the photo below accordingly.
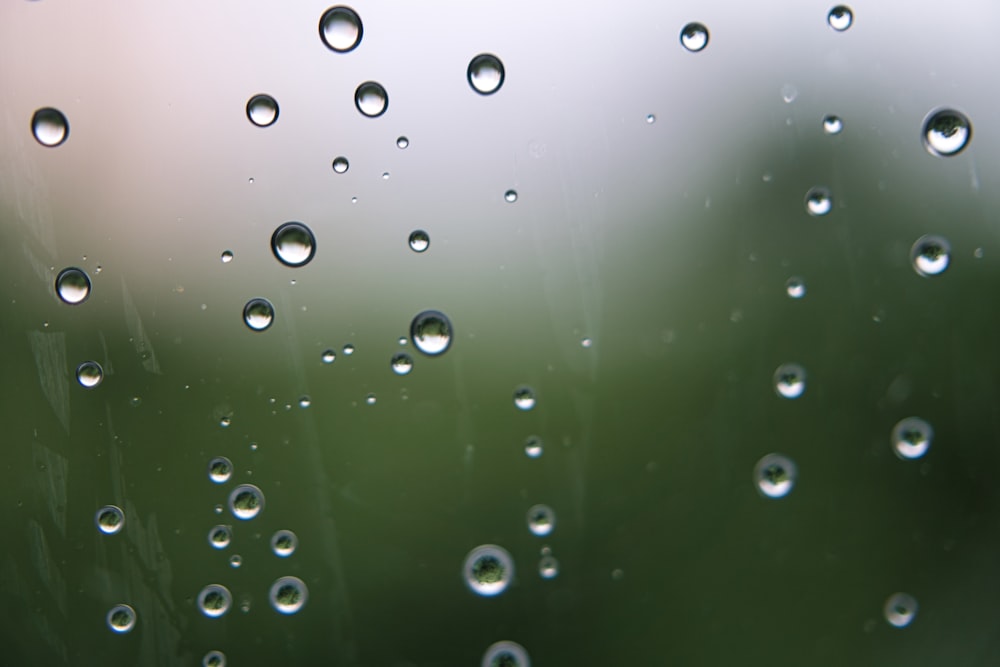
(258, 314)
(288, 595)
(293, 244)
(73, 285)
(946, 132)
(930, 255)
(246, 501)
(214, 600)
(431, 332)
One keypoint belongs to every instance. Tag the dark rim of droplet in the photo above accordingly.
(689, 31)
(484, 59)
(422, 317)
(254, 304)
(352, 16)
(73, 272)
(371, 87)
(264, 99)
(53, 116)
(946, 121)
(293, 227)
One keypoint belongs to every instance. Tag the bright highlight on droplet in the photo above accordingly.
(258, 314)
(110, 519)
(340, 29)
(431, 332)
(818, 201)
(775, 475)
(262, 110)
(371, 99)
(50, 127)
(293, 244)
(288, 595)
(694, 37)
(911, 438)
(541, 520)
(73, 286)
(524, 398)
(220, 469)
(790, 380)
(900, 609)
(246, 501)
(215, 600)
(485, 74)
(946, 132)
(840, 18)
(505, 654)
(930, 255)
(488, 570)
(833, 124)
(419, 240)
(121, 619)
(89, 374)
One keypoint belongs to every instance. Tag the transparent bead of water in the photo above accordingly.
(840, 18)
(246, 501)
(284, 543)
(790, 380)
(293, 244)
(121, 619)
(431, 332)
(288, 595)
(215, 600)
(370, 399)
(348, 350)
(900, 609)
(262, 110)
(341, 29)
(930, 255)
(73, 286)
(694, 37)
(371, 99)
(214, 659)
(533, 446)
(911, 438)
(220, 469)
(219, 537)
(402, 142)
(485, 74)
(89, 374)
(419, 240)
(775, 475)
(340, 164)
(795, 287)
(650, 119)
(789, 93)
(510, 196)
(524, 398)
(227, 256)
(328, 356)
(258, 314)
(505, 654)
(50, 127)
(946, 132)
(818, 201)
(110, 519)
(541, 520)
(488, 570)
(833, 124)
(304, 401)
(548, 567)
(235, 561)
(401, 363)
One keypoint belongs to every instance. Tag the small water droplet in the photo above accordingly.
(586, 342)
(214, 659)
(617, 574)
(121, 619)
(262, 110)
(650, 118)
(293, 244)
(110, 519)
(371, 99)
(505, 654)
(930, 255)
(370, 399)
(329, 356)
(840, 18)
(284, 543)
(900, 609)
(488, 570)
(548, 567)
(348, 350)
(250, 180)
(73, 286)
(354, 200)
(419, 240)
(305, 402)
(235, 561)
(340, 164)
(227, 256)
(790, 380)
(818, 201)
(541, 520)
(402, 142)
(246, 502)
(218, 509)
(833, 124)
(220, 469)
(946, 132)
(224, 422)
(401, 363)
(340, 29)
(977, 253)
(510, 196)
(215, 600)
(911, 438)
(775, 475)
(533, 446)
(795, 287)
(789, 93)
(431, 332)
(288, 595)
(50, 127)
(485, 74)
(694, 37)
(219, 537)
(258, 314)
(89, 374)
(524, 398)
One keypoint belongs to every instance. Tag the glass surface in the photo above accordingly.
(660, 243)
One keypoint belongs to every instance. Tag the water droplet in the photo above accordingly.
(402, 341)
(262, 110)
(305, 402)
(419, 240)
(694, 37)
(284, 543)
(586, 342)
(385, 176)
(431, 332)
(235, 561)
(795, 287)
(402, 142)
(371, 99)
(524, 398)
(790, 380)
(227, 256)
(930, 255)
(225, 422)
(548, 567)
(73, 285)
(110, 519)
(401, 363)
(488, 570)
(289, 595)
(329, 356)
(258, 314)
(650, 119)
(833, 124)
(214, 659)
(541, 520)
(370, 399)
(340, 164)
(49, 126)
(348, 350)
(121, 619)
(215, 600)
(505, 654)
(775, 475)
(89, 374)
(218, 509)
(911, 438)
(977, 253)
(340, 29)
(246, 501)
(220, 469)
(293, 244)
(900, 609)
(840, 18)
(219, 537)
(818, 201)
(789, 93)
(250, 180)
(946, 132)
(533, 446)
(510, 196)
(485, 74)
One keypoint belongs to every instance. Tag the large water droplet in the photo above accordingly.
(419, 240)
(246, 501)
(485, 74)
(220, 469)
(505, 654)
(73, 285)
(371, 99)
(340, 164)
(833, 124)
(946, 132)
(214, 659)
(911, 438)
(818, 201)
(220, 536)
(340, 29)
(215, 600)
(840, 18)
(541, 520)
(694, 37)
(790, 380)
(533, 446)
(49, 127)
(900, 609)
(774, 475)
(284, 543)
(930, 255)
(293, 244)
(258, 314)
(110, 519)
(524, 398)
(488, 570)
(288, 595)
(121, 619)
(401, 363)
(262, 110)
(795, 287)
(548, 567)
(89, 374)
(431, 332)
